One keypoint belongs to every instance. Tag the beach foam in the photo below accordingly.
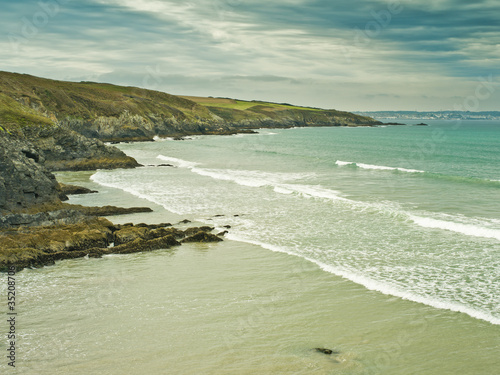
(376, 167)
(382, 287)
(178, 162)
(466, 229)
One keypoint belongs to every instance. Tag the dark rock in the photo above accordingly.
(227, 226)
(190, 231)
(422, 124)
(219, 215)
(23, 181)
(130, 234)
(222, 233)
(57, 217)
(112, 210)
(139, 245)
(326, 351)
(74, 190)
(185, 221)
(202, 237)
(64, 149)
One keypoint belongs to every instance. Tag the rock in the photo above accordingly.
(139, 245)
(111, 210)
(65, 149)
(185, 221)
(202, 237)
(24, 182)
(74, 190)
(130, 234)
(326, 351)
(57, 217)
(222, 233)
(190, 231)
(227, 226)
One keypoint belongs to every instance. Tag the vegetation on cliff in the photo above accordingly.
(117, 113)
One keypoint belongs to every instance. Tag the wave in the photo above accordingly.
(474, 180)
(178, 162)
(467, 229)
(382, 287)
(279, 183)
(376, 167)
(100, 178)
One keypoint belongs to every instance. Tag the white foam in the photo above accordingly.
(343, 163)
(100, 179)
(251, 178)
(387, 289)
(282, 190)
(382, 287)
(467, 229)
(179, 162)
(239, 177)
(377, 167)
(310, 191)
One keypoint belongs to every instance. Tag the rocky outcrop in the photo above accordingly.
(61, 214)
(91, 237)
(68, 189)
(64, 149)
(24, 182)
(202, 236)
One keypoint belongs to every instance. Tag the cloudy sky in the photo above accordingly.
(349, 55)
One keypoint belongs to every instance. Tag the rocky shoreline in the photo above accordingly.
(64, 231)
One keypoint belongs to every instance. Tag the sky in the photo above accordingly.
(353, 55)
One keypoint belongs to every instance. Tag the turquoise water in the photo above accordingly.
(410, 211)
(395, 260)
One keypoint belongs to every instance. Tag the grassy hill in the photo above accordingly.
(113, 113)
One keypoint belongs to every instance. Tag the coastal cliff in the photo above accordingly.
(117, 113)
(24, 182)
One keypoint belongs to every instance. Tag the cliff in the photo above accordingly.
(23, 181)
(116, 113)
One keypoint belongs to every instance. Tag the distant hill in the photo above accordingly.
(117, 113)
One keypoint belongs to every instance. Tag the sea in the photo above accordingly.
(379, 243)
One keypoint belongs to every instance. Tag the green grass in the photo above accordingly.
(243, 105)
(14, 115)
(88, 101)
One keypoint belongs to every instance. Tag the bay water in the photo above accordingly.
(380, 243)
